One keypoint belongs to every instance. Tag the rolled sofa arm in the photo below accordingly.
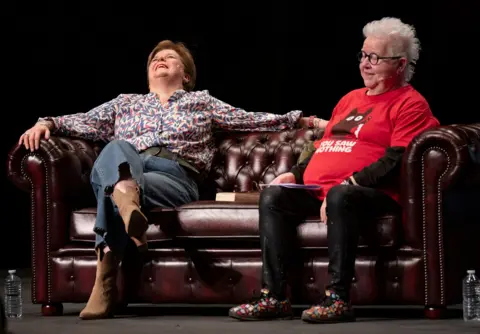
(57, 175)
(437, 160)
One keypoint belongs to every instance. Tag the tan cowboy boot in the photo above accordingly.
(128, 204)
(104, 293)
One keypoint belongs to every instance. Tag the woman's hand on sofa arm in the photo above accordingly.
(31, 138)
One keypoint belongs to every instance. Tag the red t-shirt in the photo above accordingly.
(361, 128)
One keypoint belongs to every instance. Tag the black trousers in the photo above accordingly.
(349, 209)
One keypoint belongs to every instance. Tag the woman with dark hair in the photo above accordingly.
(159, 147)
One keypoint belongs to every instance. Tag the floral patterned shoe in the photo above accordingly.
(331, 309)
(265, 307)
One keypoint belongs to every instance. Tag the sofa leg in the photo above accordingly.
(435, 312)
(55, 309)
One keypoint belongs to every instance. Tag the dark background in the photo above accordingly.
(257, 55)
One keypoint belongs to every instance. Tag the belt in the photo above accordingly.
(163, 152)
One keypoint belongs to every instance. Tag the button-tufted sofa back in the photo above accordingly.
(245, 159)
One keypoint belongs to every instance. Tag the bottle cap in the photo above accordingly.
(471, 271)
(12, 271)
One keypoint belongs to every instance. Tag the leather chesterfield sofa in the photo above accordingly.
(208, 252)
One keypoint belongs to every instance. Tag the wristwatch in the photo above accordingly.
(311, 124)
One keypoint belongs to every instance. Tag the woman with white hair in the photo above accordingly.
(356, 164)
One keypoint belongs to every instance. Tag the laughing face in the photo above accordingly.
(167, 64)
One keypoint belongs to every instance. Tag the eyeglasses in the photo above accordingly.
(373, 58)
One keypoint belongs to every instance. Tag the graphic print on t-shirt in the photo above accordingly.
(354, 119)
(361, 129)
(347, 129)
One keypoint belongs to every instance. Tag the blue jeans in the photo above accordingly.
(163, 183)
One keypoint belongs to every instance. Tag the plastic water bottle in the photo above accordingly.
(471, 297)
(13, 295)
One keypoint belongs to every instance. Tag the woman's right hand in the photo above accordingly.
(284, 178)
(31, 137)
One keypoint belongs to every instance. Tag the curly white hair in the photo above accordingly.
(403, 40)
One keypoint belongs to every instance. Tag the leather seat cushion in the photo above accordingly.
(221, 220)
